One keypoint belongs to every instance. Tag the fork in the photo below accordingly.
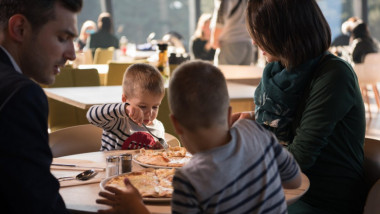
(160, 140)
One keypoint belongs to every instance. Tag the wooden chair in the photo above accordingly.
(62, 115)
(368, 75)
(75, 139)
(372, 205)
(371, 163)
(163, 115)
(102, 56)
(116, 72)
(171, 140)
(371, 166)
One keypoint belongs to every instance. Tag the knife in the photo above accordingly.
(74, 165)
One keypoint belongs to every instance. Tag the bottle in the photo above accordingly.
(123, 45)
(163, 62)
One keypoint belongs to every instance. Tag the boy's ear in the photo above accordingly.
(123, 98)
(177, 126)
(17, 27)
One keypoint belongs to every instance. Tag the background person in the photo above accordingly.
(88, 28)
(38, 40)
(238, 169)
(362, 43)
(312, 101)
(104, 37)
(200, 42)
(229, 34)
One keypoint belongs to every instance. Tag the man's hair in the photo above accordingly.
(141, 76)
(38, 12)
(292, 30)
(198, 95)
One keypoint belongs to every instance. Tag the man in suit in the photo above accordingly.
(37, 39)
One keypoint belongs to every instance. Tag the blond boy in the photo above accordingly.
(143, 90)
(238, 169)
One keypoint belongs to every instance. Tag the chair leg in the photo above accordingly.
(377, 97)
(366, 98)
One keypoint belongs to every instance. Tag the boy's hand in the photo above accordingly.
(135, 113)
(125, 201)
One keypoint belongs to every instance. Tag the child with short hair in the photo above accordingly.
(143, 90)
(238, 169)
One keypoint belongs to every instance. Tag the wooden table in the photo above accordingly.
(85, 97)
(82, 198)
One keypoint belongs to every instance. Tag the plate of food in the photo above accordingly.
(154, 185)
(174, 157)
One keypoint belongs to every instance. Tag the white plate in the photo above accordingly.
(104, 182)
(155, 166)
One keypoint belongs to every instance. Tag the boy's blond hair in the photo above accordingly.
(198, 95)
(141, 76)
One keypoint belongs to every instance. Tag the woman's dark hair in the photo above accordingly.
(38, 12)
(105, 22)
(361, 31)
(291, 30)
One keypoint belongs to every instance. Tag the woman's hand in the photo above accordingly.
(126, 200)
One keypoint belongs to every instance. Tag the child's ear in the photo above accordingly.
(177, 126)
(123, 98)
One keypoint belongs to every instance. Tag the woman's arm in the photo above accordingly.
(330, 99)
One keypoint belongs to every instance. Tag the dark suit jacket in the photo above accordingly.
(26, 184)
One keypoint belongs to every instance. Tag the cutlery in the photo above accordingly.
(83, 176)
(160, 140)
(74, 165)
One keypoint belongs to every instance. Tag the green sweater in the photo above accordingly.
(328, 143)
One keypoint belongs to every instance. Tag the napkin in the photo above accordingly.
(78, 165)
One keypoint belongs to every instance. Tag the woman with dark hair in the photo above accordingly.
(362, 43)
(311, 100)
(104, 37)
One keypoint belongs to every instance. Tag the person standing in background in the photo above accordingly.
(229, 35)
(362, 43)
(104, 37)
(200, 41)
(38, 39)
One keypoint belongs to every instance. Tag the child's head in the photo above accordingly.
(143, 86)
(198, 96)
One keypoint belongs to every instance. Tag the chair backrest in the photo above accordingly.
(62, 115)
(372, 205)
(102, 56)
(163, 115)
(371, 164)
(86, 77)
(75, 139)
(171, 140)
(116, 72)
